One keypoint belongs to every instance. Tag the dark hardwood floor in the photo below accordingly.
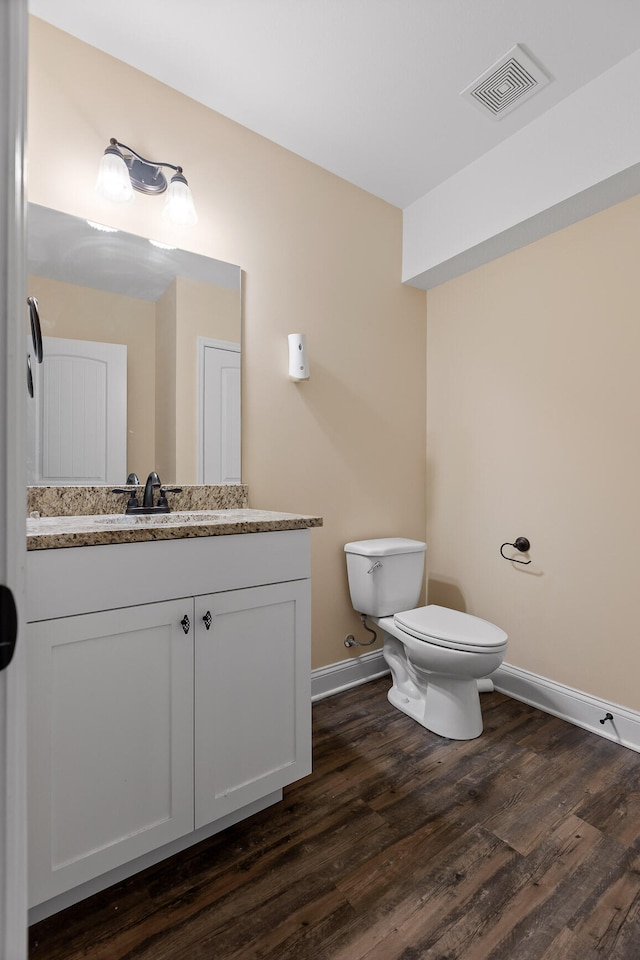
(521, 845)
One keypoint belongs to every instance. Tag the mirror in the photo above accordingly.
(178, 314)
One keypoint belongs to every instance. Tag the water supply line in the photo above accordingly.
(351, 641)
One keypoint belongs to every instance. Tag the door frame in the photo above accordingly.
(13, 323)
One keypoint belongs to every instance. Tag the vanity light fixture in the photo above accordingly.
(122, 171)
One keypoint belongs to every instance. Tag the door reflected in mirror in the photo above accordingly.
(177, 316)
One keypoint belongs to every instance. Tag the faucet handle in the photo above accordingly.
(162, 498)
(131, 502)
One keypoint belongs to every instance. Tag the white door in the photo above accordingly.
(219, 413)
(13, 324)
(77, 419)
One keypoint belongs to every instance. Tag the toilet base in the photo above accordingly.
(448, 707)
(445, 704)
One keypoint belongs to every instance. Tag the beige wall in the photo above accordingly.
(319, 256)
(533, 430)
(81, 313)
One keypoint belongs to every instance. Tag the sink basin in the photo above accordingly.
(177, 518)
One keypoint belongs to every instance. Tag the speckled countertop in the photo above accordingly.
(48, 533)
(61, 517)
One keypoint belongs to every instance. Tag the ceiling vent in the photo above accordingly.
(513, 79)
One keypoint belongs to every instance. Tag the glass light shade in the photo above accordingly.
(179, 208)
(113, 181)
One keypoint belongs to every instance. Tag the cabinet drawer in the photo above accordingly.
(79, 580)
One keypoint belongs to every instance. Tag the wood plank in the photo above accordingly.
(415, 894)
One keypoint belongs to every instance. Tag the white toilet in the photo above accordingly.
(436, 655)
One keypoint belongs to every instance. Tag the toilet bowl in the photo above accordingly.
(436, 655)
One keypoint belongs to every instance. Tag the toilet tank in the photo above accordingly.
(385, 575)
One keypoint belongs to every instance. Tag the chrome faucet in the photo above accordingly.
(153, 480)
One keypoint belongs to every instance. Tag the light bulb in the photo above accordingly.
(179, 208)
(113, 181)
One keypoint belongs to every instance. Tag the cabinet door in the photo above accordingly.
(110, 741)
(252, 695)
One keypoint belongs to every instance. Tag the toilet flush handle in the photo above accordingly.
(375, 566)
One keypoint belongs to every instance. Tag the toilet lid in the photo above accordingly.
(449, 628)
(385, 547)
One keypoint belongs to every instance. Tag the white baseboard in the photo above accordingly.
(325, 681)
(560, 701)
(579, 708)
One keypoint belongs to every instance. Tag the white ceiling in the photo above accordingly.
(368, 89)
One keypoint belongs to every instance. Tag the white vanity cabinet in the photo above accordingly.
(149, 721)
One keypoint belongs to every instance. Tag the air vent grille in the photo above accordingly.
(508, 83)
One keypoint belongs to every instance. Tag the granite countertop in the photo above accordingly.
(54, 532)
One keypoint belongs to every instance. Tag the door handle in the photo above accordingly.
(29, 376)
(185, 623)
(36, 330)
(8, 626)
(207, 619)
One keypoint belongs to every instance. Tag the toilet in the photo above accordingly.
(436, 655)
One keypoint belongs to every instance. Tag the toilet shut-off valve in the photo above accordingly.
(351, 641)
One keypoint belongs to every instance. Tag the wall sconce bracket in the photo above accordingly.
(144, 177)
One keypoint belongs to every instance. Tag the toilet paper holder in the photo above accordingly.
(521, 544)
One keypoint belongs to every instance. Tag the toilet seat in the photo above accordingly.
(452, 629)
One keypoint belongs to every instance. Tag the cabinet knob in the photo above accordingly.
(207, 619)
(185, 623)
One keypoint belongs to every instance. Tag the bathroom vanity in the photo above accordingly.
(169, 686)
